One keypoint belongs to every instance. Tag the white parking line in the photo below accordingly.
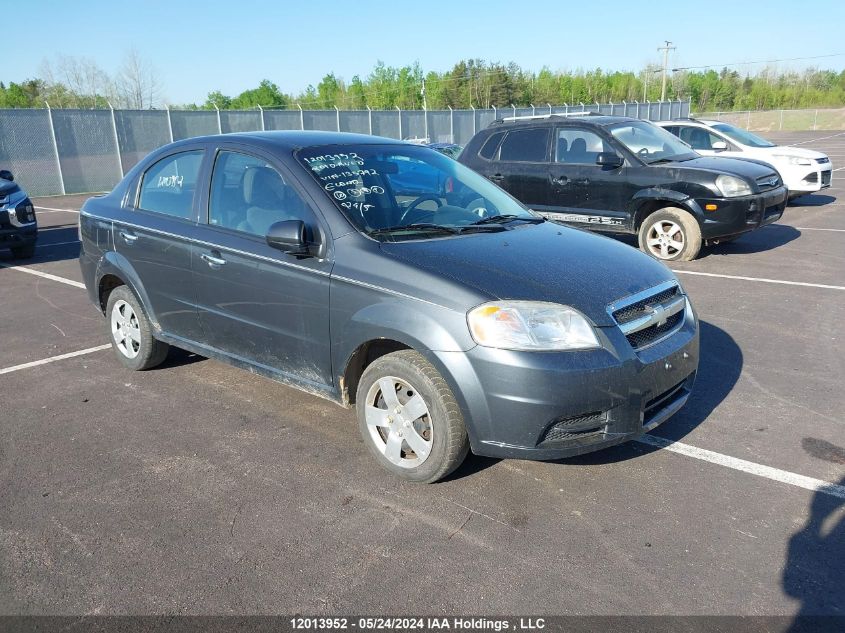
(806, 228)
(761, 279)
(38, 273)
(775, 474)
(53, 359)
(821, 138)
(839, 169)
(52, 209)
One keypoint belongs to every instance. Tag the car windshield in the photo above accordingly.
(742, 136)
(651, 143)
(409, 192)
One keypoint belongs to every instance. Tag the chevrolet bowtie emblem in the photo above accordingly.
(659, 314)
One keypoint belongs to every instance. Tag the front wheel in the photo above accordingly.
(670, 234)
(409, 418)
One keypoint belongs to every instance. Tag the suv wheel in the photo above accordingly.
(409, 418)
(131, 333)
(24, 252)
(670, 234)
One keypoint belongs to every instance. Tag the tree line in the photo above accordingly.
(75, 83)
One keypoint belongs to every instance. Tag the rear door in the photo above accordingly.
(521, 165)
(256, 303)
(153, 233)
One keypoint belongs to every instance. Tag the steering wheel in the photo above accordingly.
(643, 152)
(413, 206)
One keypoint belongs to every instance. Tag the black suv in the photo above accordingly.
(624, 175)
(18, 228)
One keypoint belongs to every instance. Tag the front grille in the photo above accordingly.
(660, 402)
(586, 425)
(651, 334)
(826, 177)
(769, 181)
(631, 312)
(823, 161)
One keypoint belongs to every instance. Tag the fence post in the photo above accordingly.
(451, 124)
(638, 108)
(370, 118)
(116, 140)
(55, 147)
(473, 119)
(337, 118)
(301, 117)
(815, 119)
(780, 127)
(748, 121)
(169, 123)
(533, 109)
(262, 118)
(425, 124)
(399, 110)
(514, 110)
(496, 111)
(219, 126)
(550, 108)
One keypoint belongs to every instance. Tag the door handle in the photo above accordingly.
(496, 178)
(560, 180)
(129, 238)
(212, 260)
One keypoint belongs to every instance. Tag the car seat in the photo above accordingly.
(266, 197)
(562, 147)
(578, 151)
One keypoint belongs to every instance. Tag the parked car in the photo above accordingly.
(623, 175)
(449, 149)
(802, 170)
(18, 225)
(448, 327)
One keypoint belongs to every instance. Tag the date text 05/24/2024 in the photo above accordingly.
(303, 623)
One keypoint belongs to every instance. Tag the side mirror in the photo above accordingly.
(609, 159)
(719, 146)
(5, 174)
(288, 236)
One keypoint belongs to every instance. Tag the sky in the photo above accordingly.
(200, 46)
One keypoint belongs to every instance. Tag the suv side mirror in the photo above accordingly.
(609, 159)
(719, 146)
(5, 174)
(288, 236)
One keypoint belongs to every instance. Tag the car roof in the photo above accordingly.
(588, 118)
(294, 139)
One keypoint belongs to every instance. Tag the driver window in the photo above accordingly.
(249, 195)
(698, 138)
(578, 147)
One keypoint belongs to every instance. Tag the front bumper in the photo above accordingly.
(808, 179)
(734, 216)
(13, 237)
(551, 405)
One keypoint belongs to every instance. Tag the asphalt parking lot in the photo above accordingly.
(200, 488)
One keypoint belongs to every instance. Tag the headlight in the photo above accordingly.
(530, 325)
(793, 160)
(731, 186)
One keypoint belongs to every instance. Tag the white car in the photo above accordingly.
(802, 170)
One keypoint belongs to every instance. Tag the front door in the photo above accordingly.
(256, 303)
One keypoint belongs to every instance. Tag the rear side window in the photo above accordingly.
(488, 150)
(526, 146)
(168, 186)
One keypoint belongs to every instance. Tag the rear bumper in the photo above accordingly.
(734, 216)
(551, 405)
(14, 237)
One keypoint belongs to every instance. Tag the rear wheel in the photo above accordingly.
(409, 418)
(670, 234)
(131, 333)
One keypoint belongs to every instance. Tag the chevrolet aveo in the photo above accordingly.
(450, 323)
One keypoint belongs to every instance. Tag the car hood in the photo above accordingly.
(788, 150)
(742, 167)
(7, 187)
(544, 262)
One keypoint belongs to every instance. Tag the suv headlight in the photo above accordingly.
(530, 325)
(732, 187)
(793, 160)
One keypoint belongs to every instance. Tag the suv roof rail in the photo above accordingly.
(530, 117)
(686, 118)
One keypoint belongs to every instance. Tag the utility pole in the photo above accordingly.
(668, 47)
(425, 106)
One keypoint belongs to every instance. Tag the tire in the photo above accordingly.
(24, 252)
(131, 333)
(671, 235)
(426, 416)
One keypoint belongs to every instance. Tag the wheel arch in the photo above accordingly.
(648, 201)
(115, 270)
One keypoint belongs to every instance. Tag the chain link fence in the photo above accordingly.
(782, 120)
(54, 152)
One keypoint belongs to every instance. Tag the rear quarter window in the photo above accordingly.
(526, 146)
(488, 150)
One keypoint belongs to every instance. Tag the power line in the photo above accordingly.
(762, 61)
